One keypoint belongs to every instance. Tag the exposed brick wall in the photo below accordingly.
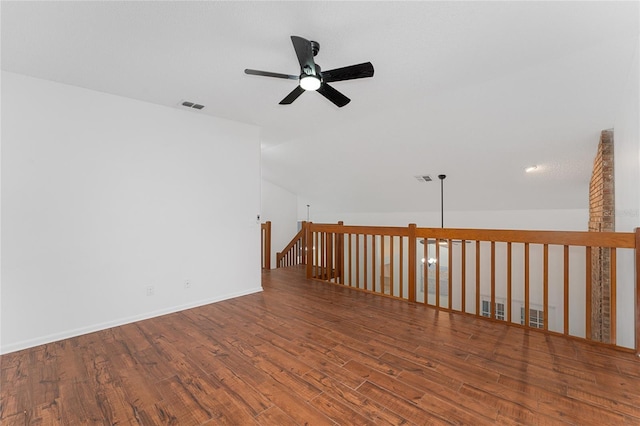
(601, 219)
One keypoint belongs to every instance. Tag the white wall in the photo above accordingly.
(103, 196)
(279, 207)
(552, 220)
(626, 145)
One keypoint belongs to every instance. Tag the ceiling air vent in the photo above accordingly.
(192, 105)
(423, 178)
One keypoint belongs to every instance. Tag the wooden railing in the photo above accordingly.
(534, 279)
(295, 252)
(265, 244)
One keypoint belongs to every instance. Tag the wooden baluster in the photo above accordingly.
(450, 274)
(588, 294)
(401, 266)
(437, 245)
(373, 263)
(317, 254)
(613, 298)
(330, 256)
(477, 277)
(566, 289)
(509, 282)
(357, 260)
(526, 284)
(492, 308)
(321, 271)
(382, 264)
(350, 263)
(325, 259)
(425, 270)
(365, 270)
(391, 262)
(463, 277)
(545, 286)
(412, 263)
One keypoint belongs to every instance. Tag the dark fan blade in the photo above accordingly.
(292, 96)
(305, 53)
(348, 73)
(271, 74)
(333, 95)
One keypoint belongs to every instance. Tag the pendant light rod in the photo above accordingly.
(442, 177)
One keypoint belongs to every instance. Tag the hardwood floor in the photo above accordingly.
(304, 352)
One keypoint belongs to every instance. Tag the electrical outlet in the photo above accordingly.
(187, 285)
(151, 290)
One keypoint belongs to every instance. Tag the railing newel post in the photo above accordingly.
(309, 247)
(304, 243)
(340, 254)
(637, 288)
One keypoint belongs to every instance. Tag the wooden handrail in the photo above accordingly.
(515, 276)
(594, 239)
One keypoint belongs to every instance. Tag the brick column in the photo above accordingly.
(601, 219)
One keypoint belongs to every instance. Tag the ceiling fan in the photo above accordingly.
(311, 77)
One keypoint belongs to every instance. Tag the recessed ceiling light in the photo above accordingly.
(531, 169)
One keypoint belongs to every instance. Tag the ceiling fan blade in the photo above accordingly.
(270, 74)
(349, 73)
(304, 52)
(333, 95)
(292, 96)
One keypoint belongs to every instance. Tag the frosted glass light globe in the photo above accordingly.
(310, 83)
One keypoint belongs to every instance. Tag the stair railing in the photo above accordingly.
(295, 252)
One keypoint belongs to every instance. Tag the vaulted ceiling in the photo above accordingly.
(474, 90)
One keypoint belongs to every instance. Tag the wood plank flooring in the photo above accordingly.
(304, 352)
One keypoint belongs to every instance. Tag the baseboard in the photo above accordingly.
(26, 344)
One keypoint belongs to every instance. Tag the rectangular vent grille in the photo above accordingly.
(192, 105)
(423, 178)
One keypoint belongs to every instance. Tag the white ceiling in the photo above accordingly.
(475, 90)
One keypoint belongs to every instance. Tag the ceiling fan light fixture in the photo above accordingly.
(310, 82)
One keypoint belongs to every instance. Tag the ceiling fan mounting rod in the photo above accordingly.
(315, 47)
